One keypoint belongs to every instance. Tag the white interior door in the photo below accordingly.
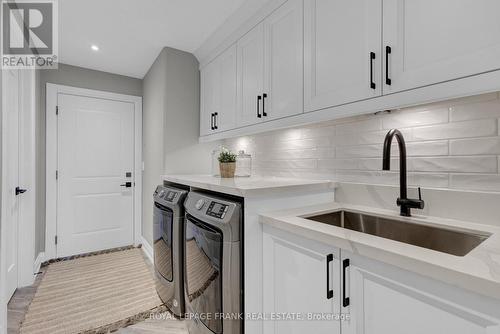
(11, 177)
(95, 151)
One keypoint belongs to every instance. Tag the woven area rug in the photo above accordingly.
(92, 294)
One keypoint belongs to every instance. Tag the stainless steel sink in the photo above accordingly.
(436, 238)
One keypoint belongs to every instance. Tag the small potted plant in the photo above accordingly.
(227, 163)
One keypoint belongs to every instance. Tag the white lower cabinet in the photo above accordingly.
(376, 298)
(301, 276)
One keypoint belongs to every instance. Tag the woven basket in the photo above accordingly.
(227, 169)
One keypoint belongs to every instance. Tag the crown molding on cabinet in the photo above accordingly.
(242, 21)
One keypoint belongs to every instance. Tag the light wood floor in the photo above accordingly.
(18, 306)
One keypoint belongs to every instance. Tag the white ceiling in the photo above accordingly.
(131, 33)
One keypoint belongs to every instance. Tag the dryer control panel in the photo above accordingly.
(217, 210)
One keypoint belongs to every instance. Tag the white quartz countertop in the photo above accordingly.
(478, 271)
(249, 186)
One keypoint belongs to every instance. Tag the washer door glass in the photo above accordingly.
(204, 272)
(163, 230)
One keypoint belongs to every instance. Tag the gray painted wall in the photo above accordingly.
(171, 109)
(78, 77)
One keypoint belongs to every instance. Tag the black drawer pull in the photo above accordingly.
(212, 121)
(216, 116)
(263, 104)
(329, 292)
(345, 300)
(388, 51)
(372, 58)
(258, 106)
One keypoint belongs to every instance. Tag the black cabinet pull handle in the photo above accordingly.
(263, 103)
(372, 58)
(329, 292)
(216, 115)
(212, 121)
(345, 300)
(20, 191)
(388, 51)
(126, 185)
(258, 107)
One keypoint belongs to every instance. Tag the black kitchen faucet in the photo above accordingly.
(403, 201)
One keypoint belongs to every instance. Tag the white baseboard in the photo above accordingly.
(147, 249)
(38, 262)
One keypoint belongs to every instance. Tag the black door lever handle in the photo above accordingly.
(20, 191)
(126, 185)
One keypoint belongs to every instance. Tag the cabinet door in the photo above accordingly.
(436, 41)
(298, 273)
(209, 99)
(218, 94)
(250, 53)
(226, 117)
(385, 299)
(342, 58)
(283, 64)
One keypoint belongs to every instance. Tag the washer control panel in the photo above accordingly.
(217, 210)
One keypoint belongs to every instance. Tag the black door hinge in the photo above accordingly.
(57, 110)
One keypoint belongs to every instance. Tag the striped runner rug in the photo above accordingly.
(92, 294)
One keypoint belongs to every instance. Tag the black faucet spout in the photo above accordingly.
(403, 201)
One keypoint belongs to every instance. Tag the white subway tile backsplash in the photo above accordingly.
(475, 146)
(477, 164)
(364, 125)
(477, 128)
(450, 144)
(361, 151)
(403, 119)
(487, 182)
(426, 148)
(464, 112)
(288, 164)
(364, 138)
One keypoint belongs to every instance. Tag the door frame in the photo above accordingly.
(27, 173)
(52, 90)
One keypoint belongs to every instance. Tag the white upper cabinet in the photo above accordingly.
(250, 76)
(435, 41)
(300, 276)
(226, 120)
(209, 96)
(270, 67)
(283, 63)
(218, 94)
(314, 60)
(342, 52)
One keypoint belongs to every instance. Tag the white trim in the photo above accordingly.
(147, 249)
(51, 155)
(3, 279)
(38, 263)
(27, 178)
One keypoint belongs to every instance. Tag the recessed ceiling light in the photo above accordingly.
(95, 47)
